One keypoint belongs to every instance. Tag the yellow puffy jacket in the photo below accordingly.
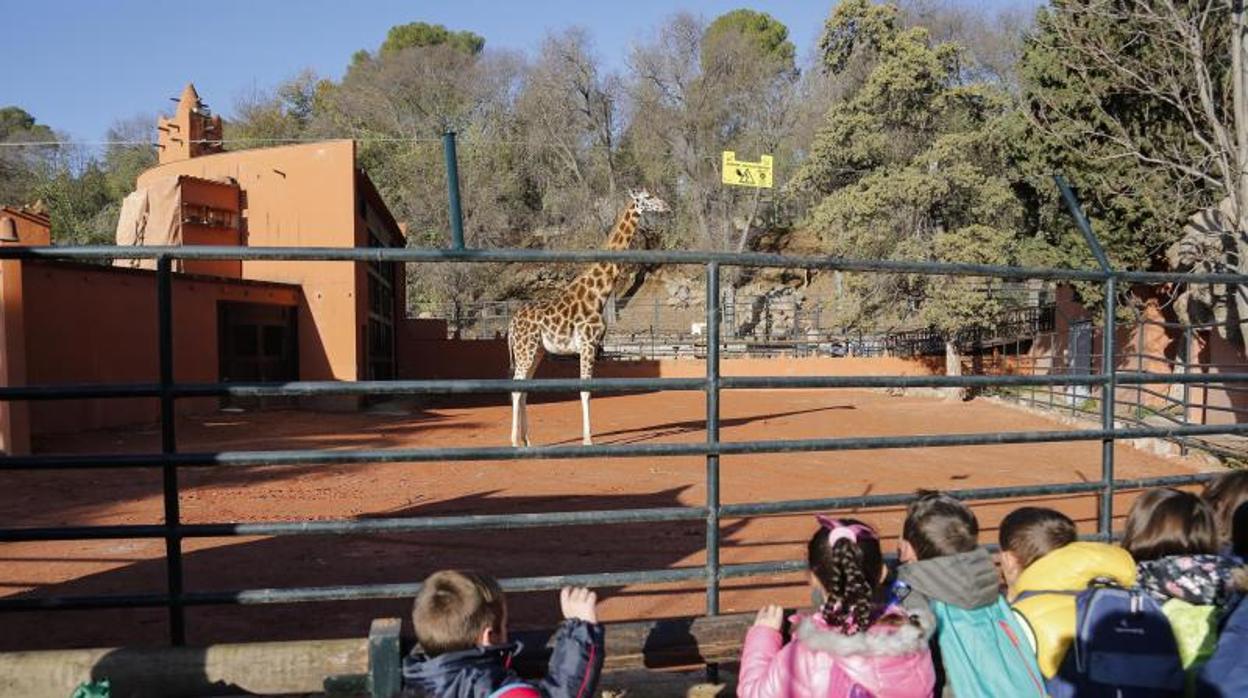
(1051, 617)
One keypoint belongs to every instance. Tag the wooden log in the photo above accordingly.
(264, 668)
(656, 644)
(314, 666)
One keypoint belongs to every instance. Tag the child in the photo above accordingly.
(461, 625)
(1173, 537)
(1224, 674)
(982, 650)
(1026, 535)
(853, 647)
(1039, 556)
(1226, 494)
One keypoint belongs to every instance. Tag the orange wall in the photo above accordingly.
(29, 231)
(299, 195)
(95, 324)
(424, 353)
(14, 416)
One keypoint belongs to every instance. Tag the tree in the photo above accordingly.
(398, 104)
(767, 37)
(698, 90)
(1145, 104)
(912, 166)
(569, 113)
(19, 163)
(266, 117)
(75, 190)
(422, 34)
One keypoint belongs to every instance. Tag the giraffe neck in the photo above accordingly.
(625, 228)
(599, 278)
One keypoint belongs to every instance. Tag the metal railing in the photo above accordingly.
(754, 325)
(171, 461)
(1141, 405)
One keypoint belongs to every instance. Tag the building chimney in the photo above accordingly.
(193, 130)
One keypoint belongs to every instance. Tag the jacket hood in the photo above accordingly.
(464, 674)
(966, 580)
(880, 640)
(1071, 567)
(1201, 580)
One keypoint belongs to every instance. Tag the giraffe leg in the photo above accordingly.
(516, 409)
(587, 371)
(524, 359)
(586, 439)
(524, 419)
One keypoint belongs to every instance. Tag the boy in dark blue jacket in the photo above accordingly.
(461, 625)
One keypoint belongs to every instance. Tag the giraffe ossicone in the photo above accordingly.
(571, 321)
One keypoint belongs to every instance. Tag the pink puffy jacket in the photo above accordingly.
(887, 661)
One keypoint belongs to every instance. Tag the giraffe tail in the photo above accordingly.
(511, 354)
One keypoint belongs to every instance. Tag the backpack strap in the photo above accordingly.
(515, 690)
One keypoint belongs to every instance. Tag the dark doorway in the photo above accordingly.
(1080, 359)
(257, 343)
(379, 330)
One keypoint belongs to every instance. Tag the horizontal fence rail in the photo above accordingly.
(170, 460)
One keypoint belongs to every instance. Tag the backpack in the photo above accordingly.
(983, 652)
(515, 690)
(1123, 647)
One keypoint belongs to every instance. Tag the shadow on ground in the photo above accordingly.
(397, 558)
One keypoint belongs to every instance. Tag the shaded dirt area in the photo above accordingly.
(241, 494)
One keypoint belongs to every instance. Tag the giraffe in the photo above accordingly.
(571, 321)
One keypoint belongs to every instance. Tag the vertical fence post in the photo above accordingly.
(1051, 369)
(169, 446)
(1109, 370)
(452, 189)
(1139, 367)
(1187, 387)
(1107, 350)
(712, 438)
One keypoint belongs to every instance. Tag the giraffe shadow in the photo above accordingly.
(648, 433)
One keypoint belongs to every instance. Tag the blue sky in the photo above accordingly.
(80, 65)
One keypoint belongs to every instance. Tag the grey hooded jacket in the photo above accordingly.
(966, 580)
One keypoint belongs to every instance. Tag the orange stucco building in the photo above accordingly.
(20, 226)
(233, 321)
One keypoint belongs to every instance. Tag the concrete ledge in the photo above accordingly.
(642, 658)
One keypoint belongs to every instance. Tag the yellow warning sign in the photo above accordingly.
(747, 174)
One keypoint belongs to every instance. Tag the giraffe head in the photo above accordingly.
(645, 202)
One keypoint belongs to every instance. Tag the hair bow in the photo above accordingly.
(839, 530)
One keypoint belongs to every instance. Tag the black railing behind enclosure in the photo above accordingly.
(170, 460)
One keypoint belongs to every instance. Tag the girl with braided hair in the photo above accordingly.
(855, 645)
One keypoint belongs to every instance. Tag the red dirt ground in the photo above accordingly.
(326, 492)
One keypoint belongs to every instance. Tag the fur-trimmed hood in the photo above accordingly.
(891, 659)
(881, 640)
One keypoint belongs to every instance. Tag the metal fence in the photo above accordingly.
(170, 461)
(751, 324)
(1178, 403)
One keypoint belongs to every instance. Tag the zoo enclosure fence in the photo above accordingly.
(170, 461)
(1140, 403)
(751, 324)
